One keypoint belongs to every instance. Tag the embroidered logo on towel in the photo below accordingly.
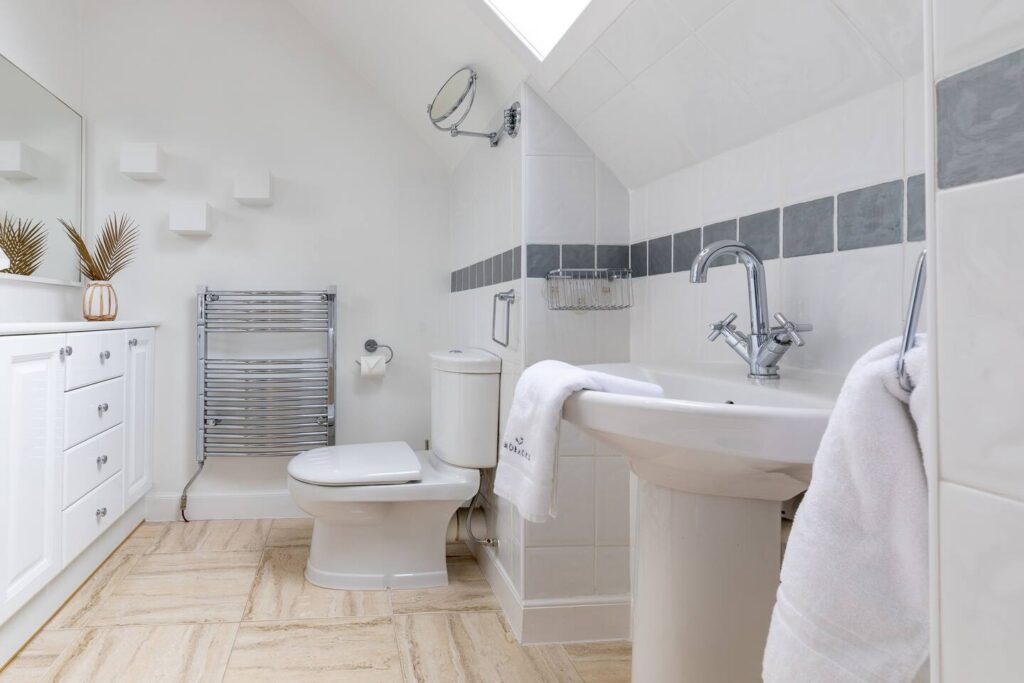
(515, 447)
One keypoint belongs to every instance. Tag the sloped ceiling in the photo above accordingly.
(670, 82)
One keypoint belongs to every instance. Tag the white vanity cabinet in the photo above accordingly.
(76, 432)
(31, 450)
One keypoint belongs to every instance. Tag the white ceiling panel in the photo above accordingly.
(642, 34)
(699, 12)
(591, 82)
(893, 27)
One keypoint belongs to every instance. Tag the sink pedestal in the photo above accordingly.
(707, 570)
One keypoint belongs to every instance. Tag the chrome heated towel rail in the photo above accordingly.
(278, 406)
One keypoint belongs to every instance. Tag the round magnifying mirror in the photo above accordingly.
(452, 103)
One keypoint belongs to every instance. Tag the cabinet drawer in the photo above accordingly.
(91, 463)
(95, 356)
(91, 410)
(90, 516)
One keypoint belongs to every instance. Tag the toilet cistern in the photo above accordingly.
(765, 346)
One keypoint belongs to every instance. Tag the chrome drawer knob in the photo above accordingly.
(102, 408)
(101, 512)
(104, 355)
(101, 461)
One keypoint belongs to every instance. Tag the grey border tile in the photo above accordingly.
(659, 255)
(578, 255)
(541, 259)
(980, 122)
(685, 247)
(916, 231)
(762, 233)
(638, 259)
(496, 269)
(871, 216)
(508, 260)
(517, 271)
(613, 256)
(723, 230)
(807, 227)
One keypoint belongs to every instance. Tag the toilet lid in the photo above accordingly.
(392, 462)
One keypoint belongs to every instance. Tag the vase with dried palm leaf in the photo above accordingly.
(23, 242)
(113, 252)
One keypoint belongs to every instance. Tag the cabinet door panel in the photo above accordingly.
(139, 376)
(31, 422)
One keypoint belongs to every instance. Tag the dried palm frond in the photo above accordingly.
(24, 242)
(114, 250)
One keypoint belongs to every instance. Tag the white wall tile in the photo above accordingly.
(913, 125)
(559, 200)
(574, 502)
(741, 181)
(674, 202)
(794, 57)
(567, 336)
(643, 33)
(588, 84)
(971, 33)
(637, 215)
(612, 500)
(612, 343)
(546, 133)
(854, 145)
(979, 238)
(611, 570)
(893, 27)
(558, 572)
(981, 546)
(612, 208)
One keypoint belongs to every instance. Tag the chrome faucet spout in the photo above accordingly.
(765, 345)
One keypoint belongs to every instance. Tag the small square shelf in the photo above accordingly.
(253, 187)
(190, 218)
(142, 161)
(18, 161)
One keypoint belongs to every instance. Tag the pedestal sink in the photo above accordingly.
(715, 458)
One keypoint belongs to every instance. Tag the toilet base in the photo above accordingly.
(381, 545)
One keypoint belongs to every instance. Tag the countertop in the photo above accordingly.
(8, 329)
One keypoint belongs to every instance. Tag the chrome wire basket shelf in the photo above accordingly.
(589, 289)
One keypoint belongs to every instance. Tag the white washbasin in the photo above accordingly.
(760, 446)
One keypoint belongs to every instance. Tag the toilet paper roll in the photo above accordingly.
(372, 366)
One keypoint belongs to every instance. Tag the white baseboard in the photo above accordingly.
(163, 507)
(556, 620)
(24, 623)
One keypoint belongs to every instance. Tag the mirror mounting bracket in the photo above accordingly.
(509, 126)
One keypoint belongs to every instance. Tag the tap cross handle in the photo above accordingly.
(793, 329)
(720, 326)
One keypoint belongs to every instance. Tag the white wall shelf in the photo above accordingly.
(142, 161)
(190, 218)
(18, 161)
(253, 187)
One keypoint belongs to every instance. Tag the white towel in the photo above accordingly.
(528, 461)
(853, 602)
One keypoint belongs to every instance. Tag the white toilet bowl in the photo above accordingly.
(381, 510)
(383, 535)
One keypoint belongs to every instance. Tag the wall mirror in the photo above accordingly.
(40, 180)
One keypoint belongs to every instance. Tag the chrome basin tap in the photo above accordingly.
(765, 346)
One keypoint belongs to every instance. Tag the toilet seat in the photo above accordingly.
(385, 463)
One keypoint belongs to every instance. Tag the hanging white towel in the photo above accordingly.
(527, 464)
(853, 602)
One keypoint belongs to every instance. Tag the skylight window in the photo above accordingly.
(540, 24)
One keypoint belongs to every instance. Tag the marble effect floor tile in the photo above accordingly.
(467, 591)
(351, 650)
(602, 662)
(82, 605)
(143, 539)
(281, 592)
(465, 647)
(171, 652)
(290, 532)
(221, 535)
(35, 660)
(180, 588)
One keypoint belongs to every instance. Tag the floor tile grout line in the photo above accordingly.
(406, 676)
(248, 600)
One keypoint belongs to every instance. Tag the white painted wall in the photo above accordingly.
(43, 38)
(359, 203)
(855, 299)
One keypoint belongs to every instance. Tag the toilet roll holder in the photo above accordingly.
(372, 346)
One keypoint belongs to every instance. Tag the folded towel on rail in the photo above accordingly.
(853, 602)
(528, 457)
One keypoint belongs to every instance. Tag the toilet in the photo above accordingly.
(381, 510)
